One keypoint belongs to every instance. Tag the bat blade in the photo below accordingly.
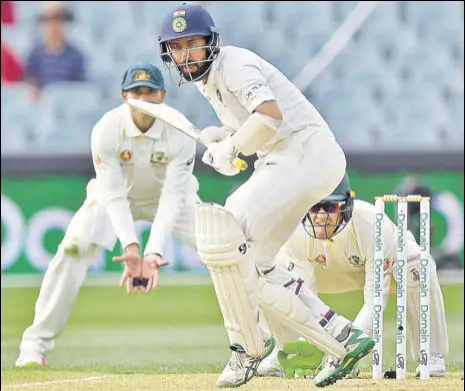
(169, 115)
(178, 120)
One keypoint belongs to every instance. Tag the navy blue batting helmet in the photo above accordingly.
(188, 20)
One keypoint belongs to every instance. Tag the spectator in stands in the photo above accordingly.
(54, 59)
(8, 14)
(12, 69)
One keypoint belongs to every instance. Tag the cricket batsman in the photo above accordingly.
(143, 172)
(333, 252)
(299, 163)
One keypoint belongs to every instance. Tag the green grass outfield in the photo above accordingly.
(177, 329)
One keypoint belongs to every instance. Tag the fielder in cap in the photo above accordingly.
(299, 163)
(143, 172)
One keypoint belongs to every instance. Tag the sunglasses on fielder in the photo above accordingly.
(329, 207)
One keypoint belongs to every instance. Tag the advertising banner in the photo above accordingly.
(36, 212)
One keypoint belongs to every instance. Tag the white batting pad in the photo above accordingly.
(279, 329)
(223, 249)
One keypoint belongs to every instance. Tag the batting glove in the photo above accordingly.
(220, 155)
(212, 134)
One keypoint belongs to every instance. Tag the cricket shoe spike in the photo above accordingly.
(241, 367)
(30, 359)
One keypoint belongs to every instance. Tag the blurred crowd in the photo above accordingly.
(52, 59)
(397, 85)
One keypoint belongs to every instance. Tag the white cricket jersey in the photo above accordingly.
(239, 81)
(345, 262)
(142, 176)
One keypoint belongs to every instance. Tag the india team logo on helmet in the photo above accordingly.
(179, 23)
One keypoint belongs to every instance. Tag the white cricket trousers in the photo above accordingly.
(89, 230)
(297, 174)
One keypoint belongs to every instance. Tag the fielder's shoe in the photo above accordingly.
(327, 365)
(270, 367)
(354, 373)
(30, 359)
(437, 367)
(241, 367)
(358, 345)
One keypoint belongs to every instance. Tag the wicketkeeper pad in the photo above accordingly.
(222, 247)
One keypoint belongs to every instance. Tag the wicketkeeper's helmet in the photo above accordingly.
(340, 201)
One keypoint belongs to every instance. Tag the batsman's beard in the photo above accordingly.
(202, 70)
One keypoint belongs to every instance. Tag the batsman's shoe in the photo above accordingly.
(241, 367)
(30, 359)
(436, 366)
(358, 345)
(270, 367)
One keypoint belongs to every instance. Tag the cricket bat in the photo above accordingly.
(178, 120)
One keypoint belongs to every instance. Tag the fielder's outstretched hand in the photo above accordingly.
(150, 272)
(132, 267)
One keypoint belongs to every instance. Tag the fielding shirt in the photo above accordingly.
(142, 176)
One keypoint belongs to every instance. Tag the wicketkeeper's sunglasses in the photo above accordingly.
(329, 207)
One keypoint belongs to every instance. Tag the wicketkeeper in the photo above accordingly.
(333, 251)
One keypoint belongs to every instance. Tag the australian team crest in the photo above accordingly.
(158, 157)
(356, 261)
(179, 22)
(141, 75)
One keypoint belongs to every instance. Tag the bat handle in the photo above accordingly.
(240, 164)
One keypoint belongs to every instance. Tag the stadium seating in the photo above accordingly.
(397, 84)
(67, 114)
(19, 116)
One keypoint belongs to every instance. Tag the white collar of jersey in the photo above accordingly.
(154, 132)
(209, 87)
